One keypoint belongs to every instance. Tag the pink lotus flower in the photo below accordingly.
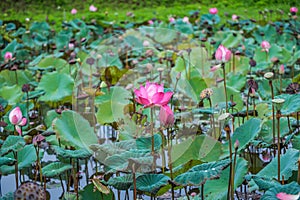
(293, 10)
(281, 69)
(265, 45)
(285, 196)
(223, 54)
(166, 116)
(146, 43)
(213, 11)
(234, 17)
(152, 94)
(186, 20)
(171, 19)
(73, 11)
(150, 22)
(71, 46)
(16, 118)
(93, 8)
(8, 55)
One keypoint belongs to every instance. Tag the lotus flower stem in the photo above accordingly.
(254, 107)
(202, 191)
(225, 89)
(62, 185)
(278, 114)
(186, 193)
(212, 118)
(16, 169)
(273, 110)
(170, 160)
(247, 104)
(230, 187)
(86, 171)
(134, 181)
(298, 178)
(152, 138)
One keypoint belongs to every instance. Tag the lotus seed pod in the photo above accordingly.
(269, 75)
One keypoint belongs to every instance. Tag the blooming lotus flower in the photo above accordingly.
(223, 54)
(171, 19)
(265, 45)
(293, 10)
(16, 118)
(285, 196)
(146, 43)
(152, 94)
(166, 116)
(213, 11)
(234, 17)
(186, 20)
(73, 11)
(93, 8)
(8, 55)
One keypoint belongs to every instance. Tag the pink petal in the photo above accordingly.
(15, 116)
(143, 101)
(166, 98)
(18, 129)
(23, 122)
(166, 116)
(157, 98)
(284, 196)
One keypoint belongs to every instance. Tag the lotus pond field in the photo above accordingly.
(191, 107)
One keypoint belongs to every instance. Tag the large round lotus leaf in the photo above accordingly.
(16, 77)
(11, 47)
(264, 183)
(50, 116)
(6, 161)
(50, 62)
(288, 164)
(244, 134)
(145, 143)
(269, 31)
(12, 143)
(291, 104)
(80, 153)
(55, 169)
(151, 182)
(26, 157)
(111, 105)
(199, 174)
(42, 27)
(217, 189)
(121, 182)
(74, 130)
(231, 40)
(89, 192)
(56, 86)
(201, 148)
(291, 189)
(12, 94)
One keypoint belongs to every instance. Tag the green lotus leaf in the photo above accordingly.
(203, 148)
(3, 102)
(74, 130)
(199, 174)
(12, 143)
(217, 189)
(54, 169)
(291, 104)
(16, 77)
(6, 161)
(8, 196)
(296, 142)
(151, 182)
(88, 192)
(40, 27)
(145, 143)
(111, 105)
(121, 182)
(11, 47)
(232, 40)
(264, 183)
(26, 157)
(80, 153)
(292, 188)
(56, 86)
(122, 161)
(50, 62)
(244, 134)
(12, 94)
(288, 164)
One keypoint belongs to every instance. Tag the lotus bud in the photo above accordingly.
(281, 69)
(236, 144)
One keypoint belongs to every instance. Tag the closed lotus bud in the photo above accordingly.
(223, 54)
(274, 60)
(265, 45)
(252, 62)
(281, 69)
(25, 88)
(236, 144)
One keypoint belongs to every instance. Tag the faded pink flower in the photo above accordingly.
(73, 11)
(16, 118)
(166, 116)
(171, 19)
(38, 139)
(265, 45)
(215, 68)
(186, 20)
(213, 11)
(146, 43)
(152, 94)
(281, 69)
(92, 8)
(71, 46)
(285, 196)
(223, 54)
(234, 17)
(193, 194)
(8, 55)
(150, 22)
(293, 9)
